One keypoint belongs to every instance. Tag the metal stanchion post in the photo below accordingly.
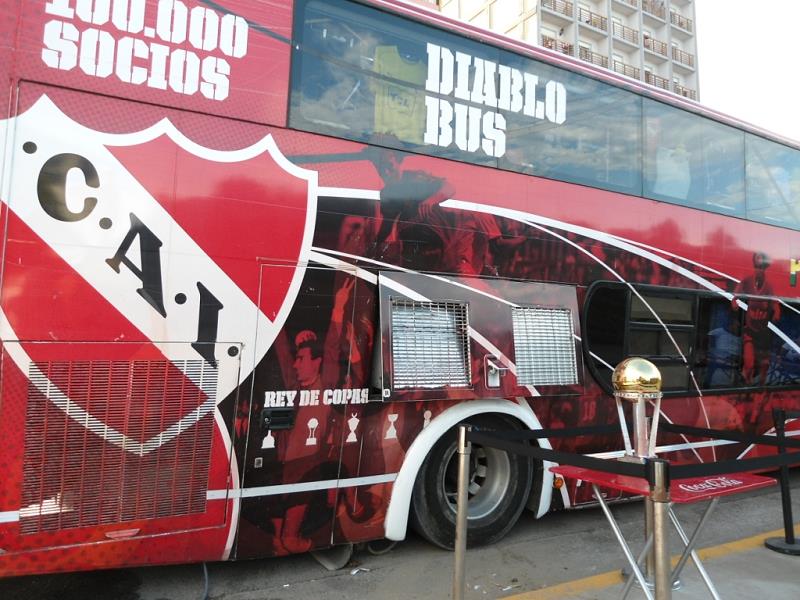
(786, 544)
(459, 574)
(659, 494)
(649, 559)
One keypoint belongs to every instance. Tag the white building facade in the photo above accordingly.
(653, 41)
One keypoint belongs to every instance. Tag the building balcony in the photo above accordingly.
(628, 5)
(588, 17)
(655, 80)
(679, 20)
(655, 46)
(685, 92)
(557, 45)
(625, 69)
(625, 33)
(683, 57)
(561, 7)
(593, 57)
(655, 8)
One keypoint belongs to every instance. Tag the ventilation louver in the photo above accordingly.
(544, 346)
(108, 442)
(430, 344)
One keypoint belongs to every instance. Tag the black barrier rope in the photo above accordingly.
(725, 434)
(500, 440)
(496, 439)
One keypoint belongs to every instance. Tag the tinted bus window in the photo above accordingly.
(605, 330)
(693, 161)
(669, 309)
(366, 75)
(361, 74)
(718, 362)
(725, 345)
(370, 76)
(658, 342)
(599, 143)
(667, 343)
(785, 352)
(773, 183)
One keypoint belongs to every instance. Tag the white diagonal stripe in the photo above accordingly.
(306, 486)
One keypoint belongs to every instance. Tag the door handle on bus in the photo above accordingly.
(494, 371)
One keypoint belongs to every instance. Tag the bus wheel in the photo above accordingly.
(499, 484)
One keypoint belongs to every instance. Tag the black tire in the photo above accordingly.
(500, 484)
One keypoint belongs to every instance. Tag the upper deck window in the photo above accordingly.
(693, 161)
(370, 76)
(367, 75)
(773, 183)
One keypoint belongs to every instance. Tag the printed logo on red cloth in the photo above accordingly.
(714, 483)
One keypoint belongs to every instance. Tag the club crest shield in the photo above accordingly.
(152, 246)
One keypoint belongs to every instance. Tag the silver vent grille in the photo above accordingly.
(430, 344)
(544, 347)
(114, 441)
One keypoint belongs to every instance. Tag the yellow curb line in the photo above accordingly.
(604, 580)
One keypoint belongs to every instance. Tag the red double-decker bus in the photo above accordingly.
(260, 258)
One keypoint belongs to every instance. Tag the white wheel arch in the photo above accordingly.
(396, 523)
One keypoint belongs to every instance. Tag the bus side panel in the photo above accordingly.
(322, 472)
(63, 505)
(228, 58)
(547, 230)
(130, 317)
(292, 460)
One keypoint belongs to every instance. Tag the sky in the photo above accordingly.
(744, 52)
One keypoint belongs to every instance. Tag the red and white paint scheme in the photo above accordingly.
(257, 267)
